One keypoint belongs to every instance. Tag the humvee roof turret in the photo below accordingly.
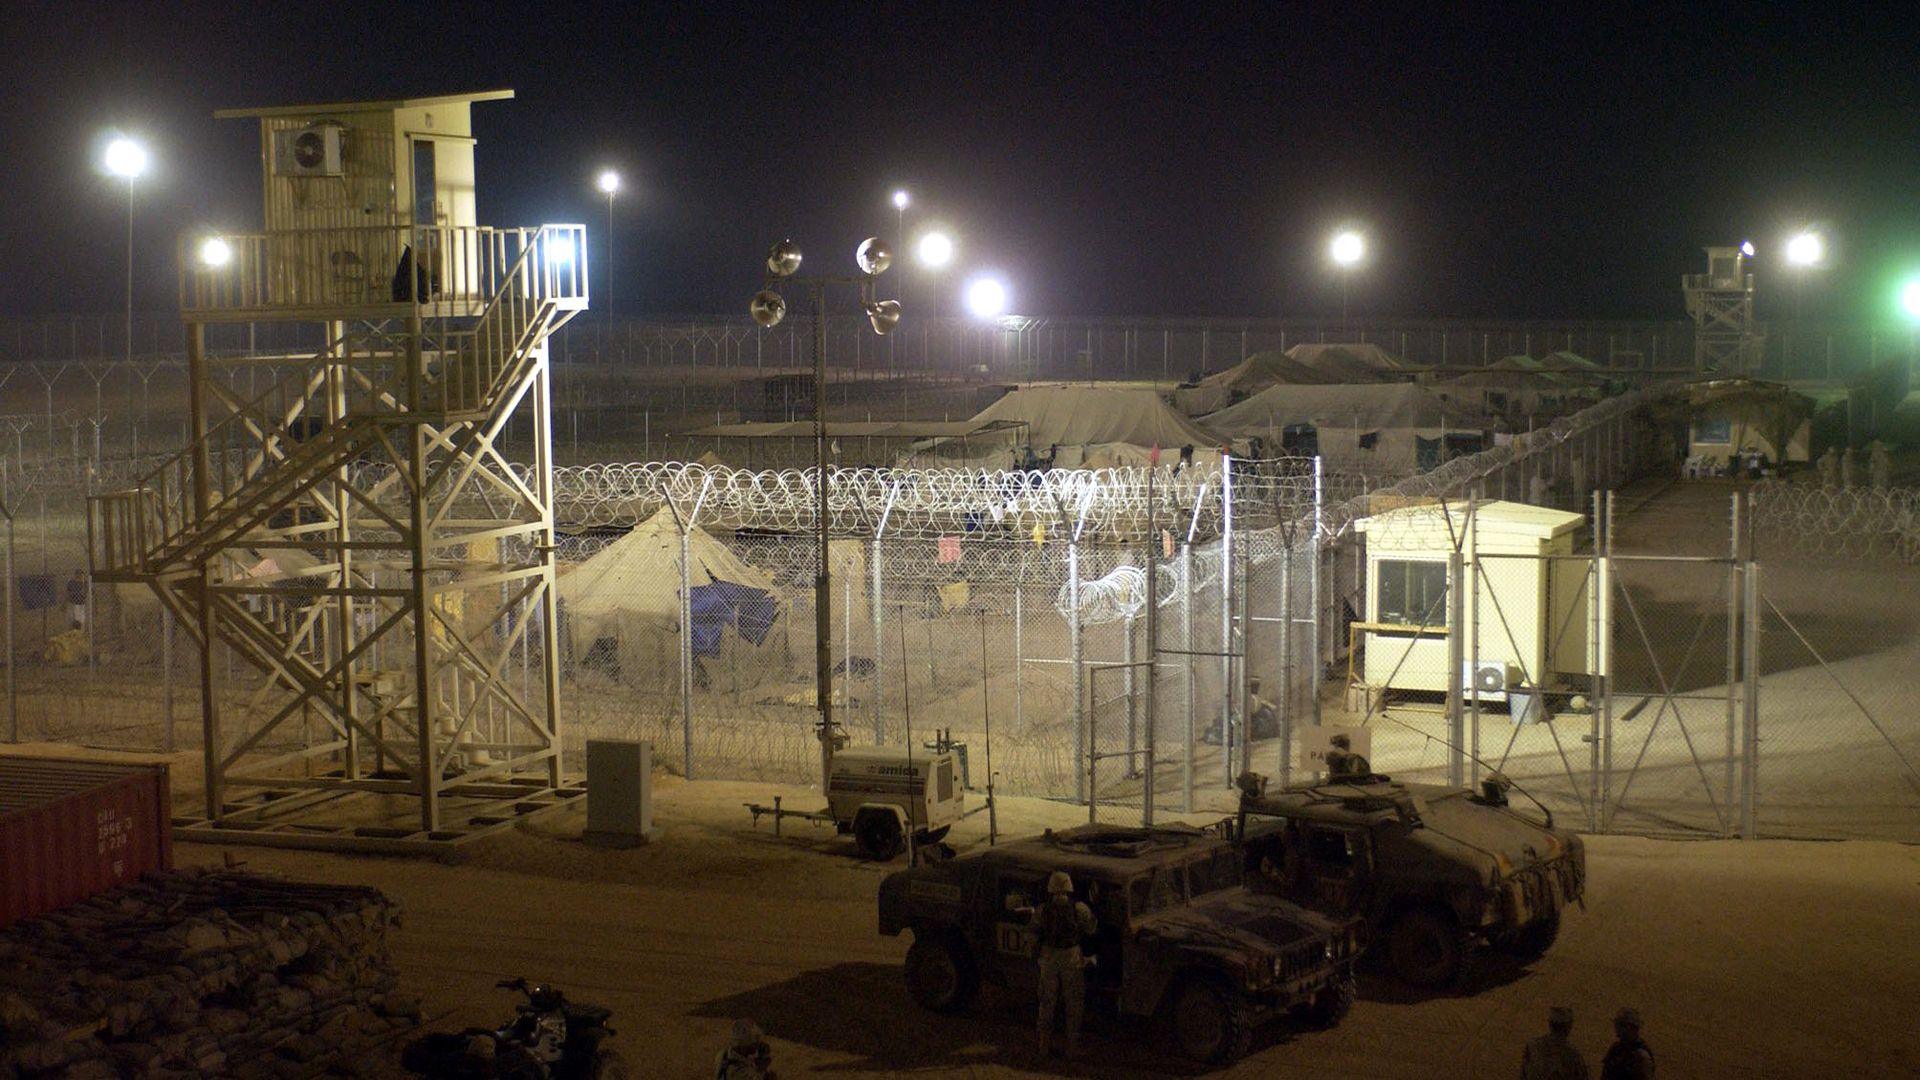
(1180, 936)
(1432, 869)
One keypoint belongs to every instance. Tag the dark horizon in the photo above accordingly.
(1106, 162)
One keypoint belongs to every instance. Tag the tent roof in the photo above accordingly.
(1370, 407)
(1353, 362)
(639, 574)
(836, 429)
(1264, 369)
(1080, 415)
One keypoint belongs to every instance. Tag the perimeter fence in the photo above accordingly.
(1132, 639)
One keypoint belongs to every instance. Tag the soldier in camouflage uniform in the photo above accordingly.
(1062, 922)
(1552, 1056)
(1628, 1058)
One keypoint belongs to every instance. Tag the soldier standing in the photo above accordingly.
(1062, 921)
(1848, 471)
(1879, 466)
(1628, 1058)
(747, 1057)
(1829, 466)
(1343, 763)
(1552, 1056)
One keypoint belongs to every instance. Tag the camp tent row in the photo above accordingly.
(1379, 426)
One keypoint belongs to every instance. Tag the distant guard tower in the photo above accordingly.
(355, 531)
(1720, 301)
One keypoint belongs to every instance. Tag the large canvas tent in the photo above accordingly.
(1397, 427)
(1348, 363)
(1245, 379)
(622, 607)
(1076, 417)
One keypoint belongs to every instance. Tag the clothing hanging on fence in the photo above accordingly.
(38, 591)
(750, 612)
(1039, 535)
(949, 549)
(954, 596)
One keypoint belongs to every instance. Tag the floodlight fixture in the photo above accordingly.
(124, 157)
(1347, 248)
(609, 182)
(215, 253)
(783, 259)
(987, 298)
(873, 256)
(1910, 299)
(900, 199)
(935, 249)
(1806, 248)
(1746, 248)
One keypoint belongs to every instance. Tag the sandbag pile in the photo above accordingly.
(202, 973)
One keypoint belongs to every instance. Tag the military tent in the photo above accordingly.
(1081, 416)
(1245, 379)
(1348, 363)
(621, 608)
(1395, 427)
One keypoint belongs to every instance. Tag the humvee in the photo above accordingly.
(1180, 938)
(1433, 870)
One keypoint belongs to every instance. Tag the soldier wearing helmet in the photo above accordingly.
(1552, 1056)
(1061, 923)
(1628, 1058)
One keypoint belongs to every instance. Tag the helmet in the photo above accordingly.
(747, 1034)
(1628, 1016)
(544, 998)
(1059, 884)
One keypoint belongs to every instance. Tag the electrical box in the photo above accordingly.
(619, 792)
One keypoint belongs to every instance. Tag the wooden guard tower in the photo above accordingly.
(1720, 302)
(357, 532)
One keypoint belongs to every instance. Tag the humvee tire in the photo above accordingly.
(1333, 1003)
(608, 1065)
(1531, 942)
(1209, 1021)
(940, 972)
(1426, 948)
(877, 833)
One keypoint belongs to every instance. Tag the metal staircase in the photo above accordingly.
(357, 536)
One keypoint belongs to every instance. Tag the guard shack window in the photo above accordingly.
(1411, 592)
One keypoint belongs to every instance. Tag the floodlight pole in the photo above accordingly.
(822, 576)
(129, 285)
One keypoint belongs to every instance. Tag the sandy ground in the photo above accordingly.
(1748, 959)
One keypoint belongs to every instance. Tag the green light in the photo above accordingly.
(1910, 298)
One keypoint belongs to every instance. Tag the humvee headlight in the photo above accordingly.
(1329, 948)
(1278, 965)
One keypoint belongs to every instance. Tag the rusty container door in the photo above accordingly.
(70, 829)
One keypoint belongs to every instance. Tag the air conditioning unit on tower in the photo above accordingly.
(309, 151)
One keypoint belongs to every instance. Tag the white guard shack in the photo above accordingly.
(1534, 610)
(360, 198)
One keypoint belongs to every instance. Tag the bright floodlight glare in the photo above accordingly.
(900, 199)
(560, 249)
(1910, 299)
(215, 252)
(987, 298)
(609, 181)
(1806, 249)
(936, 249)
(1347, 248)
(124, 157)
(1746, 248)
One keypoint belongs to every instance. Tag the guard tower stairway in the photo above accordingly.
(285, 481)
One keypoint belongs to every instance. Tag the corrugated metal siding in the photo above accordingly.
(363, 196)
(69, 829)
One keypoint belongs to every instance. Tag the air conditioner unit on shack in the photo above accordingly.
(310, 151)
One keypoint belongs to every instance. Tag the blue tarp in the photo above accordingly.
(748, 611)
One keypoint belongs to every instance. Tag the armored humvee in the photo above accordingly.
(1179, 935)
(1433, 870)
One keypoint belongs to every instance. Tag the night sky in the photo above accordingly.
(1106, 159)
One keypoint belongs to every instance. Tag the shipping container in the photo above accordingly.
(70, 829)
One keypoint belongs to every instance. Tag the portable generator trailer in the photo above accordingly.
(884, 796)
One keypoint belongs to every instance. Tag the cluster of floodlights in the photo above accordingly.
(873, 257)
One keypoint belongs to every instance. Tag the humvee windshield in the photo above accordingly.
(1171, 886)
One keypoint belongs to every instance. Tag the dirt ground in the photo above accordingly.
(1770, 958)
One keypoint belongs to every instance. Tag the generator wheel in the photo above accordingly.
(877, 833)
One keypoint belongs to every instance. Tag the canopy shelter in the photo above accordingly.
(1349, 363)
(621, 609)
(789, 443)
(1398, 427)
(1729, 417)
(1245, 379)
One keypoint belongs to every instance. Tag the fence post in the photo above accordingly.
(1074, 652)
(1603, 512)
(1733, 648)
(1286, 664)
(1226, 621)
(1749, 789)
(1186, 644)
(1456, 661)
